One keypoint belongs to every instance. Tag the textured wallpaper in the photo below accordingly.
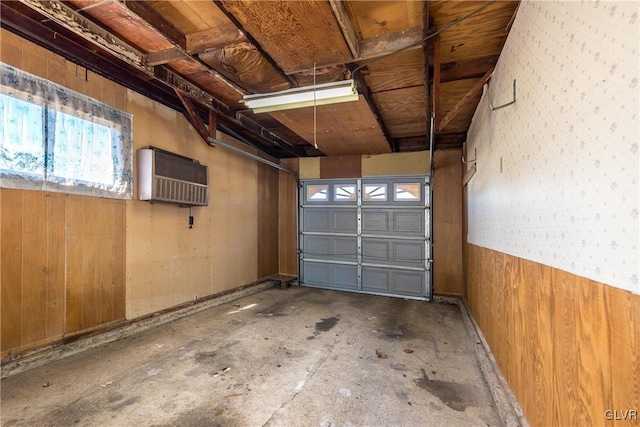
(557, 172)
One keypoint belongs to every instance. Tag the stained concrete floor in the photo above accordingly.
(295, 357)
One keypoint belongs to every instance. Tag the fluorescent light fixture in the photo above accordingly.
(322, 94)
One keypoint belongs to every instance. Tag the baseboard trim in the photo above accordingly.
(506, 403)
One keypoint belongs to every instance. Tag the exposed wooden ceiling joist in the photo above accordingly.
(463, 101)
(164, 56)
(378, 47)
(151, 32)
(156, 22)
(65, 16)
(366, 92)
(227, 9)
(345, 24)
(213, 38)
(467, 68)
(296, 34)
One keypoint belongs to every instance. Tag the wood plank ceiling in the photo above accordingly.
(213, 52)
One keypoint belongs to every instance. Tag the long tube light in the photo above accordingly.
(322, 94)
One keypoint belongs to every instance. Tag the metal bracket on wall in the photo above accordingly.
(508, 103)
(475, 157)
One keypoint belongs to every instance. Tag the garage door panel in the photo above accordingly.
(409, 282)
(375, 279)
(410, 223)
(317, 220)
(333, 276)
(331, 247)
(399, 282)
(328, 220)
(375, 222)
(375, 250)
(345, 220)
(409, 253)
(398, 222)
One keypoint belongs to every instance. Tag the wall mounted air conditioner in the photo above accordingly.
(169, 177)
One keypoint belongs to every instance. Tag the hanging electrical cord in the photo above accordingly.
(315, 112)
(446, 27)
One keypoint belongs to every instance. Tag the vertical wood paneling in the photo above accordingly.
(567, 346)
(593, 331)
(106, 282)
(97, 260)
(62, 265)
(34, 266)
(119, 244)
(74, 222)
(92, 277)
(539, 321)
(11, 267)
(55, 264)
(287, 225)
(625, 333)
(447, 223)
(267, 220)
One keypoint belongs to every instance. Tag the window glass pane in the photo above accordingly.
(21, 137)
(317, 192)
(82, 151)
(344, 193)
(406, 191)
(375, 192)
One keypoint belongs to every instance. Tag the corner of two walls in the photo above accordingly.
(552, 245)
(234, 240)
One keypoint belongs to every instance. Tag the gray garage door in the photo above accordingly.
(369, 235)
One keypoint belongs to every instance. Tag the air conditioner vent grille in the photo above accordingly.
(176, 191)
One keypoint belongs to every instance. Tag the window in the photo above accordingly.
(406, 192)
(55, 139)
(375, 192)
(317, 193)
(344, 193)
(22, 149)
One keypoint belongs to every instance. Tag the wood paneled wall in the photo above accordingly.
(62, 261)
(287, 222)
(268, 191)
(569, 347)
(447, 223)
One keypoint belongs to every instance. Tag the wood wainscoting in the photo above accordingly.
(62, 258)
(569, 347)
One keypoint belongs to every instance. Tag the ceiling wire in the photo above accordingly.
(446, 27)
(315, 112)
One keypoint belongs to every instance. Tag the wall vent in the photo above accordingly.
(169, 177)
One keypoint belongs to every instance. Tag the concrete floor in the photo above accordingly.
(295, 357)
